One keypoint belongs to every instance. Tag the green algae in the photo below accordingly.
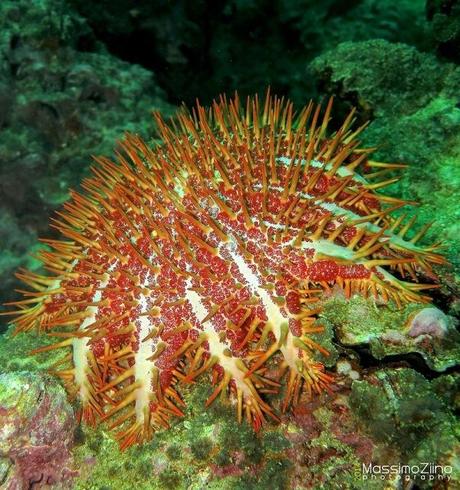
(15, 352)
(59, 105)
(326, 340)
(330, 462)
(400, 409)
(19, 391)
(359, 321)
(208, 446)
(411, 98)
(447, 388)
(188, 455)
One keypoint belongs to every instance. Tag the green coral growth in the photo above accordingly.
(207, 449)
(385, 328)
(400, 408)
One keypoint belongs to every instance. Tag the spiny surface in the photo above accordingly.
(209, 253)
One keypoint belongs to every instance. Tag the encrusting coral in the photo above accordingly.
(209, 253)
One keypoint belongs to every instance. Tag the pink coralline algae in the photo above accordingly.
(36, 432)
(429, 321)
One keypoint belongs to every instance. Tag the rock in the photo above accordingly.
(37, 427)
(409, 423)
(445, 19)
(429, 321)
(386, 330)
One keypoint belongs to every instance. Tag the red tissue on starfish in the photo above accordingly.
(208, 253)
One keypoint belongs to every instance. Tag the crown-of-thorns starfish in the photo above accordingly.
(209, 253)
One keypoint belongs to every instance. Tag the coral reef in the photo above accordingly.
(399, 408)
(413, 100)
(71, 84)
(196, 57)
(402, 80)
(58, 105)
(318, 444)
(388, 332)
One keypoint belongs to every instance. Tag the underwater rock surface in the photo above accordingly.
(445, 19)
(386, 331)
(37, 426)
(401, 411)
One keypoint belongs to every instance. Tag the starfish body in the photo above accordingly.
(209, 253)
